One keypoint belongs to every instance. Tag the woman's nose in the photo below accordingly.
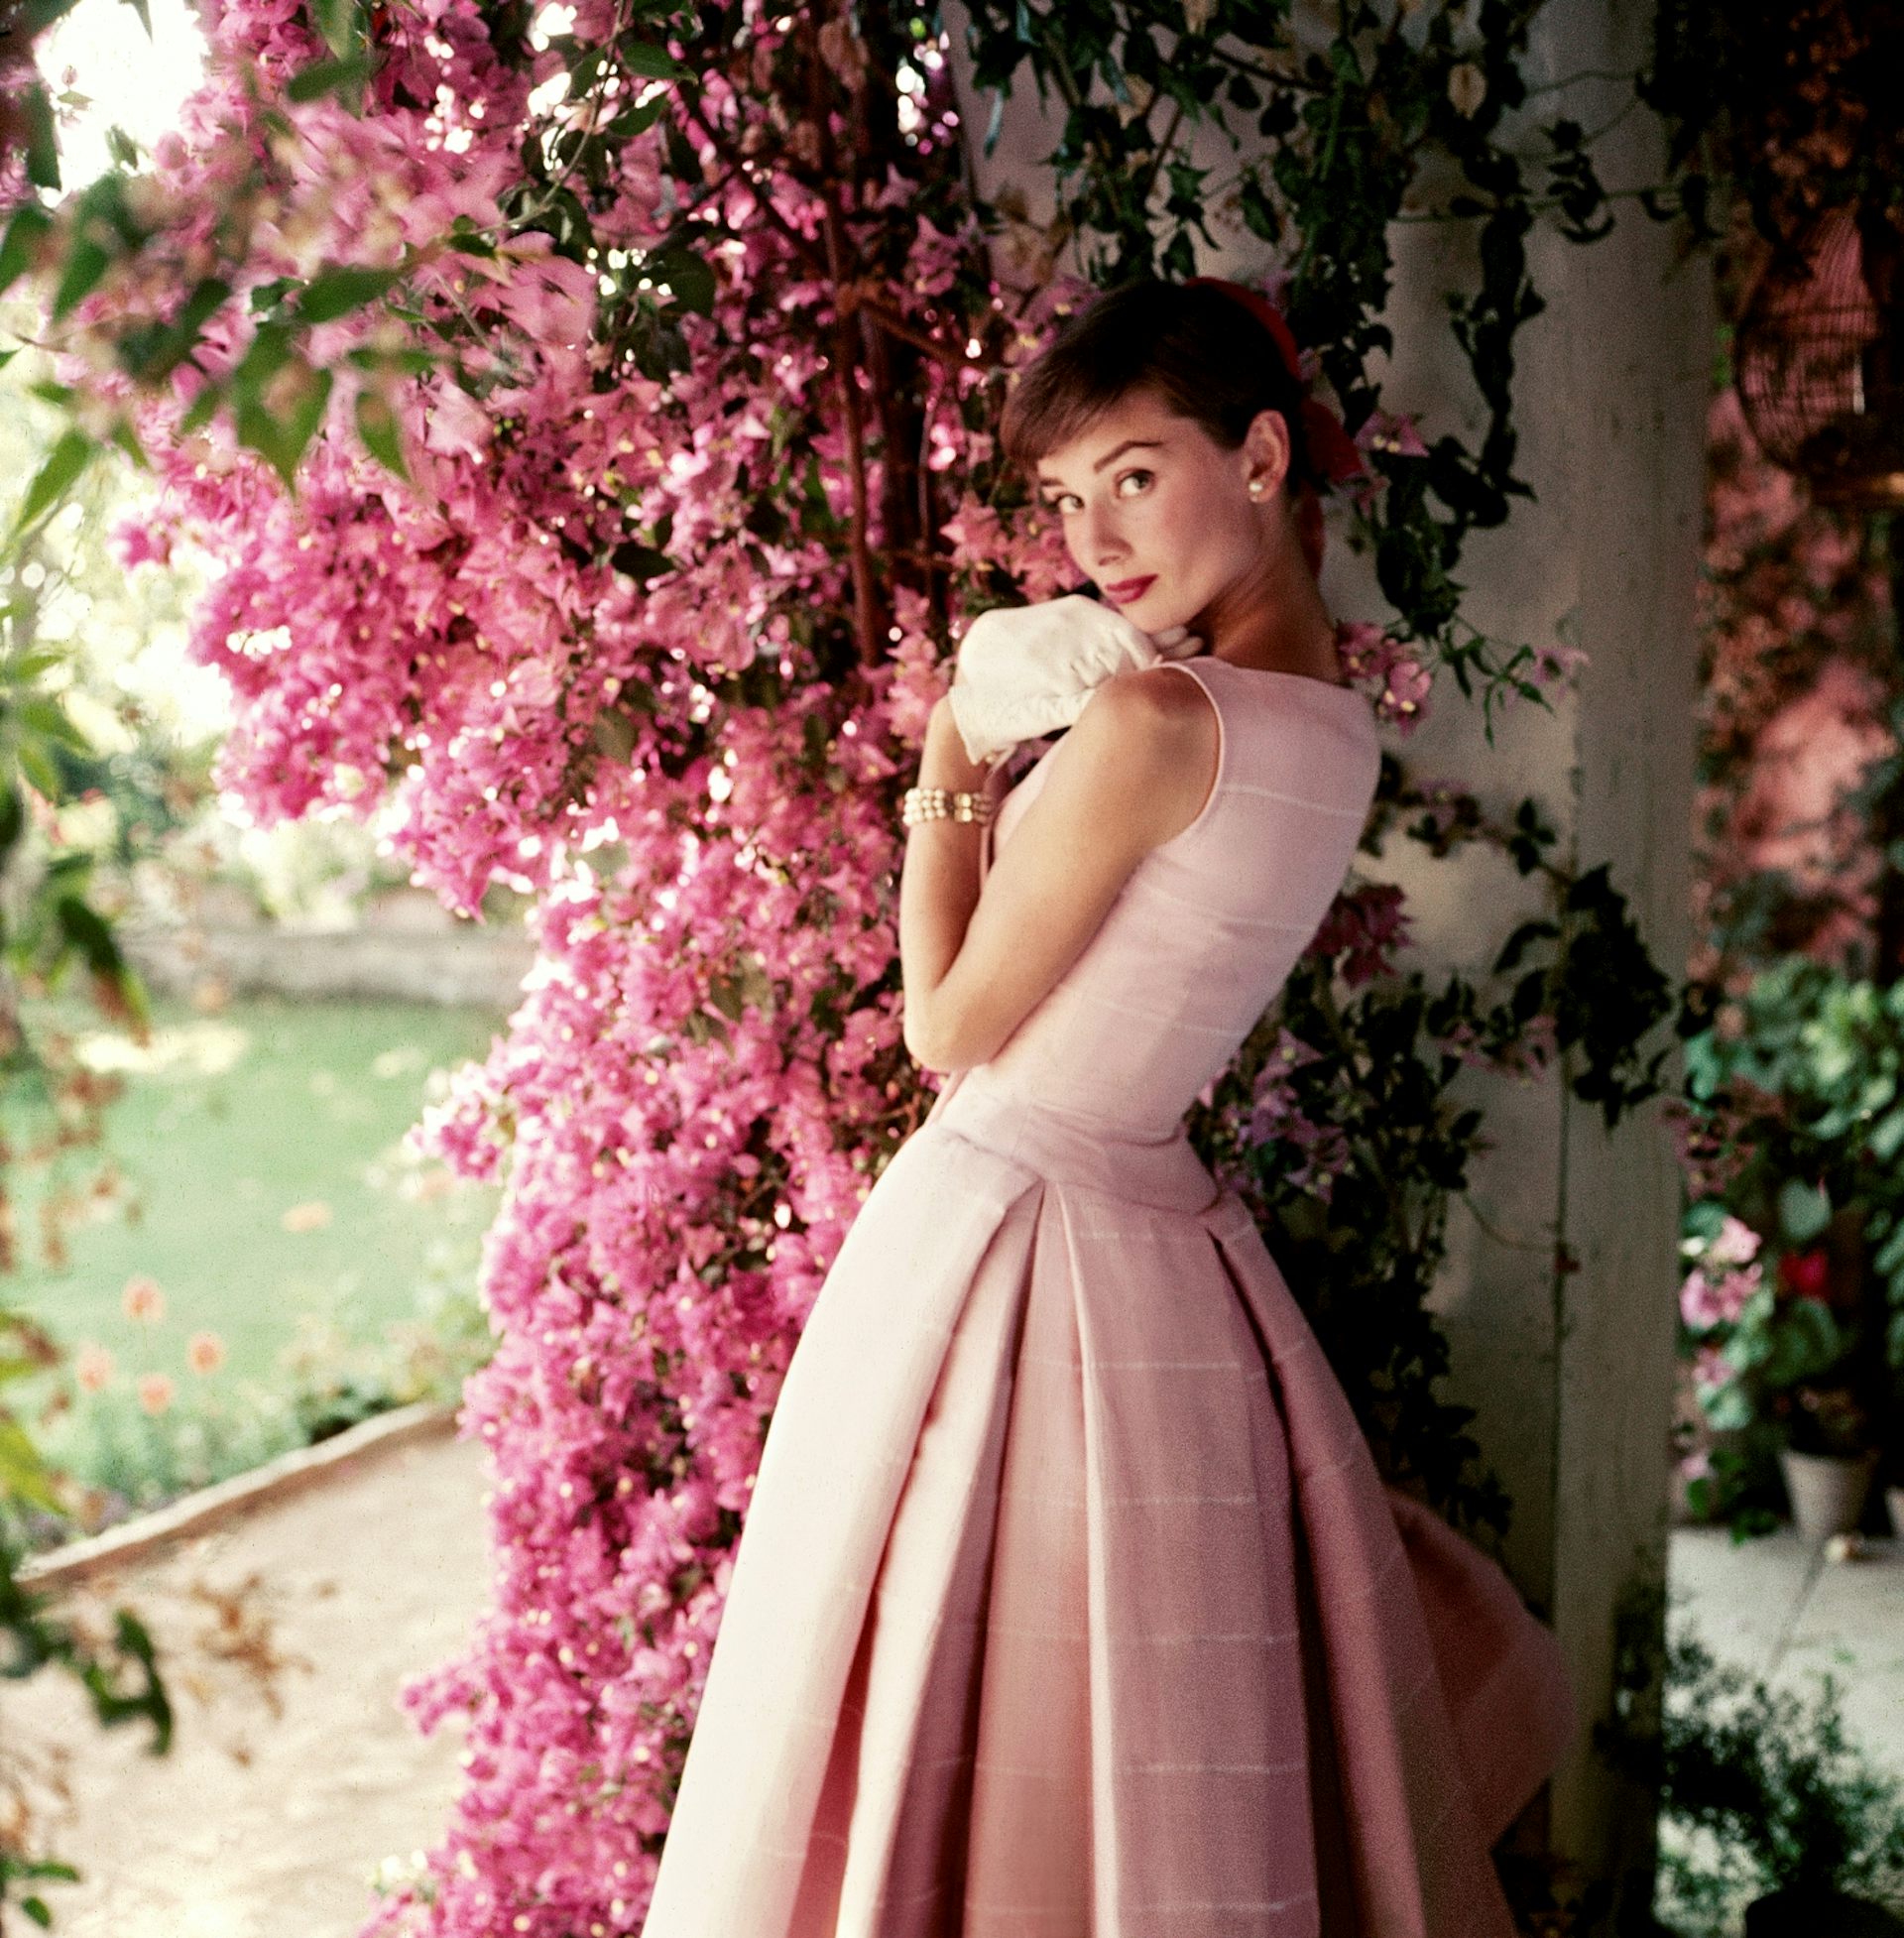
(1102, 542)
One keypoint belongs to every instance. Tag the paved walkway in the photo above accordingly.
(1786, 1614)
(294, 1775)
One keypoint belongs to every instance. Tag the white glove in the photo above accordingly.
(1026, 671)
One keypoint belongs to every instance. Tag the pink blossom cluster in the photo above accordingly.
(1365, 927)
(1391, 670)
(1276, 1116)
(1706, 1301)
(705, 1070)
(1729, 1272)
(1794, 604)
(1530, 1052)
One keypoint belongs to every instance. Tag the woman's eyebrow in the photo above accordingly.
(1111, 457)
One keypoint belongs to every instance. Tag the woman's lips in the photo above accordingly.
(1128, 589)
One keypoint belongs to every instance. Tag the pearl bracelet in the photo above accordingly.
(943, 805)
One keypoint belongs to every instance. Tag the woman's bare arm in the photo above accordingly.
(1133, 771)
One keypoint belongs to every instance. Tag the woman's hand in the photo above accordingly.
(1024, 671)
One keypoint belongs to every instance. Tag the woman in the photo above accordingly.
(1070, 1602)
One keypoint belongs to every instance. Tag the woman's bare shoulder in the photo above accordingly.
(1162, 735)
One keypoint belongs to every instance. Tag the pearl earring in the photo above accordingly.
(1255, 488)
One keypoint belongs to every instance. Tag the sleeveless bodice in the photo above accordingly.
(1209, 925)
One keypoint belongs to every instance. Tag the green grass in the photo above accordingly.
(229, 1122)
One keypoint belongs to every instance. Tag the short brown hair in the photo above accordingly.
(1199, 351)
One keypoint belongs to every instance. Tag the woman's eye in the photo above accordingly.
(1056, 503)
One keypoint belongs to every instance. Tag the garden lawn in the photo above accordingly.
(260, 1146)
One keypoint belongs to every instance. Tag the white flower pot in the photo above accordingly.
(1828, 1491)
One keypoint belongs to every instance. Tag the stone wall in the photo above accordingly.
(408, 948)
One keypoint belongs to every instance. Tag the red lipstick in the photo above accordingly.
(1129, 589)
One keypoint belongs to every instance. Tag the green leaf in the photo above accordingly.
(409, 363)
(638, 120)
(19, 669)
(641, 562)
(43, 144)
(1803, 1210)
(152, 354)
(337, 21)
(200, 412)
(1891, 1255)
(1887, 1135)
(30, 227)
(144, 10)
(1727, 1408)
(39, 771)
(281, 438)
(64, 462)
(1807, 1341)
(377, 427)
(86, 263)
(334, 293)
(44, 716)
(653, 63)
(33, 17)
(23, 1474)
(271, 295)
(331, 76)
(267, 353)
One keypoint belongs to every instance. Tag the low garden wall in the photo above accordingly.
(408, 948)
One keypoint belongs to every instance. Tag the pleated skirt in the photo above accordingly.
(1070, 1602)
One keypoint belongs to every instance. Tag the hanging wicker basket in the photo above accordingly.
(1819, 359)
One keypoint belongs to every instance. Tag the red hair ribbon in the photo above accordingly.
(1330, 445)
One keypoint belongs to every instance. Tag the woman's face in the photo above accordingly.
(1158, 514)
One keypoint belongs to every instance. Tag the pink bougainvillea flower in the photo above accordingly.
(1365, 927)
(139, 542)
(1735, 1244)
(1388, 670)
(1391, 431)
(1712, 1370)
(1705, 1301)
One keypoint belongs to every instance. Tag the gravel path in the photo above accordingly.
(293, 1774)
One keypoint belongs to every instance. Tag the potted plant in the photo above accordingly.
(1777, 1357)
(1793, 1124)
(1827, 1460)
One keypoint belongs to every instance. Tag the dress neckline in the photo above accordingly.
(1272, 672)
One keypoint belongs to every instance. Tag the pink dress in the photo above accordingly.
(1070, 1602)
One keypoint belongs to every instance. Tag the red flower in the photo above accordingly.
(1804, 1275)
